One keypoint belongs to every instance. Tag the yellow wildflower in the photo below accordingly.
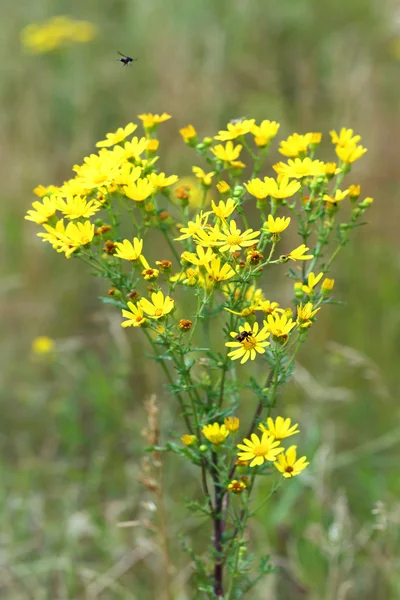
(279, 325)
(152, 145)
(231, 239)
(76, 207)
(139, 190)
(338, 197)
(201, 258)
(148, 272)
(218, 273)
(43, 210)
(280, 428)
(259, 450)
(150, 120)
(215, 433)
(134, 315)
(224, 209)
(248, 342)
(299, 253)
(54, 234)
(345, 137)
(268, 307)
(188, 133)
(236, 486)
(305, 314)
(134, 148)
(159, 180)
(188, 439)
(312, 281)
(223, 187)
(277, 224)
(327, 285)
(193, 227)
(264, 132)
(41, 190)
(43, 345)
(117, 137)
(296, 145)
(288, 464)
(128, 251)
(232, 424)
(158, 307)
(354, 192)
(229, 153)
(235, 130)
(298, 168)
(350, 153)
(202, 176)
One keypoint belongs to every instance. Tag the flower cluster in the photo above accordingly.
(192, 274)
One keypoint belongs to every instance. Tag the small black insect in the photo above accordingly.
(243, 335)
(126, 60)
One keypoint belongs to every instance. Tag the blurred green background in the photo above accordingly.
(70, 428)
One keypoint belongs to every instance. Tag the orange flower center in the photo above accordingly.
(249, 343)
(158, 312)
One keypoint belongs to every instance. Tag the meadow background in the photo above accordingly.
(70, 428)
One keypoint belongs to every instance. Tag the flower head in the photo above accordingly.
(228, 153)
(223, 209)
(215, 433)
(298, 168)
(276, 224)
(327, 285)
(248, 342)
(305, 314)
(296, 145)
(158, 307)
(235, 130)
(217, 273)
(43, 345)
(289, 465)
(279, 325)
(203, 177)
(134, 315)
(139, 190)
(299, 253)
(128, 250)
(117, 137)
(43, 210)
(188, 133)
(236, 486)
(232, 423)
(76, 207)
(350, 153)
(312, 281)
(264, 132)
(159, 180)
(338, 197)
(345, 137)
(280, 428)
(259, 450)
(193, 227)
(188, 439)
(150, 120)
(231, 239)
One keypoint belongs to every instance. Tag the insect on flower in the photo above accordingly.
(126, 60)
(243, 335)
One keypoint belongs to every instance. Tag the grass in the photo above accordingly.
(70, 441)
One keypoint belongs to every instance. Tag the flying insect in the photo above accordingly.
(125, 60)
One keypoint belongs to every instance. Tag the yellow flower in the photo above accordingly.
(148, 272)
(316, 138)
(305, 314)
(188, 440)
(54, 234)
(134, 148)
(43, 345)
(277, 224)
(288, 464)
(236, 486)
(327, 285)
(259, 450)
(188, 133)
(128, 251)
(139, 190)
(223, 187)
(350, 153)
(215, 433)
(69, 239)
(43, 210)
(280, 429)
(218, 273)
(202, 176)
(224, 209)
(279, 325)
(345, 137)
(338, 197)
(268, 307)
(229, 153)
(159, 180)
(193, 227)
(257, 188)
(41, 190)
(248, 342)
(354, 191)
(232, 424)
(282, 188)
(232, 239)
(134, 315)
(298, 168)
(312, 281)
(117, 137)
(264, 132)
(47, 36)
(299, 253)
(202, 257)
(159, 307)
(98, 170)
(76, 207)
(295, 145)
(235, 130)
(149, 120)
(331, 169)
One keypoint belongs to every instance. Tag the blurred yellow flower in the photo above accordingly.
(223, 209)
(194, 227)
(54, 33)
(223, 187)
(139, 190)
(305, 314)
(312, 281)
(134, 315)
(117, 137)
(276, 224)
(150, 120)
(188, 133)
(345, 137)
(280, 428)
(299, 253)
(350, 153)
(327, 285)
(128, 251)
(264, 132)
(338, 197)
(159, 305)
(236, 486)
(43, 210)
(43, 345)
(76, 207)
(160, 180)
(202, 176)
(235, 130)
(295, 145)
(188, 439)
(215, 433)
(298, 168)
(232, 423)
(228, 153)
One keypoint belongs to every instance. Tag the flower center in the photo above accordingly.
(289, 469)
(138, 319)
(249, 343)
(100, 178)
(261, 450)
(158, 312)
(234, 240)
